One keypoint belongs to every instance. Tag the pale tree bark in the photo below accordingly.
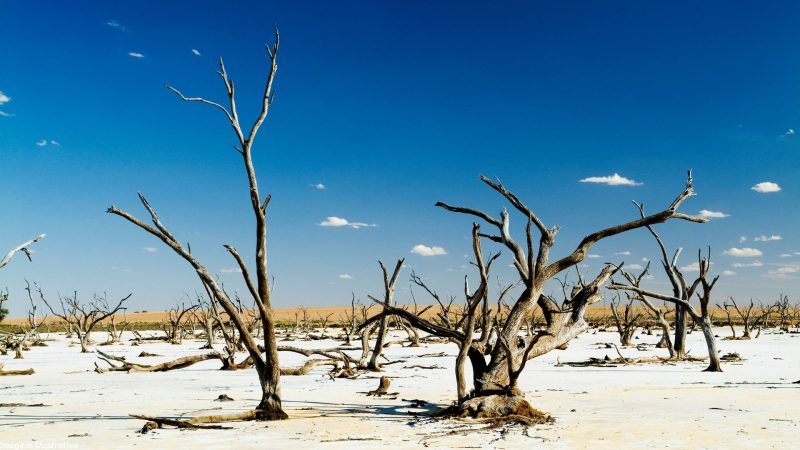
(20, 248)
(388, 294)
(81, 317)
(267, 364)
(701, 319)
(532, 263)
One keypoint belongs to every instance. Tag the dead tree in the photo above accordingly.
(656, 312)
(627, 322)
(386, 303)
(701, 286)
(267, 364)
(173, 327)
(83, 318)
(20, 248)
(494, 392)
(784, 310)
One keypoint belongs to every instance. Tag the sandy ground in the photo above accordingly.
(752, 404)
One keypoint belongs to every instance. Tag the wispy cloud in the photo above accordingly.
(634, 266)
(337, 222)
(114, 24)
(136, 55)
(424, 250)
(693, 267)
(744, 252)
(121, 269)
(763, 238)
(784, 271)
(230, 270)
(318, 186)
(150, 249)
(625, 253)
(790, 132)
(747, 265)
(592, 255)
(728, 273)
(742, 239)
(196, 52)
(766, 187)
(345, 276)
(41, 143)
(706, 214)
(3, 100)
(612, 180)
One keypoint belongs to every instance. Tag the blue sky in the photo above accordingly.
(393, 106)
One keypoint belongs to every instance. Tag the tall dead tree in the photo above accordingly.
(494, 392)
(266, 363)
(83, 318)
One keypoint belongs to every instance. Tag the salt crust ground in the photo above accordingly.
(646, 406)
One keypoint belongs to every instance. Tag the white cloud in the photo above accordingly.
(56, 143)
(635, 266)
(786, 255)
(693, 267)
(766, 186)
(706, 214)
(790, 132)
(230, 270)
(196, 52)
(625, 253)
(136, 54)
(728, 273)
(763, 238)
(120, 269)
(4, 98)
(744, 252)
(783, 271)
(41, 143)
(592, 255)
(114, 24)
(150, 249)
(5, 114)
(746, 265)
(345, 276)
(336, 222)
(742, 239)
(613, 180)
(319, 186)
(424, 250)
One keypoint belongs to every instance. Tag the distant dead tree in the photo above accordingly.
(266, 363)
(745, 316)
(627, 322)
(83, 318)
(784, 310)
(174, 324)
(701, 286)
(495, 392)
(386, 302)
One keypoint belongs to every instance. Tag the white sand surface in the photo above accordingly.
(638, 406)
